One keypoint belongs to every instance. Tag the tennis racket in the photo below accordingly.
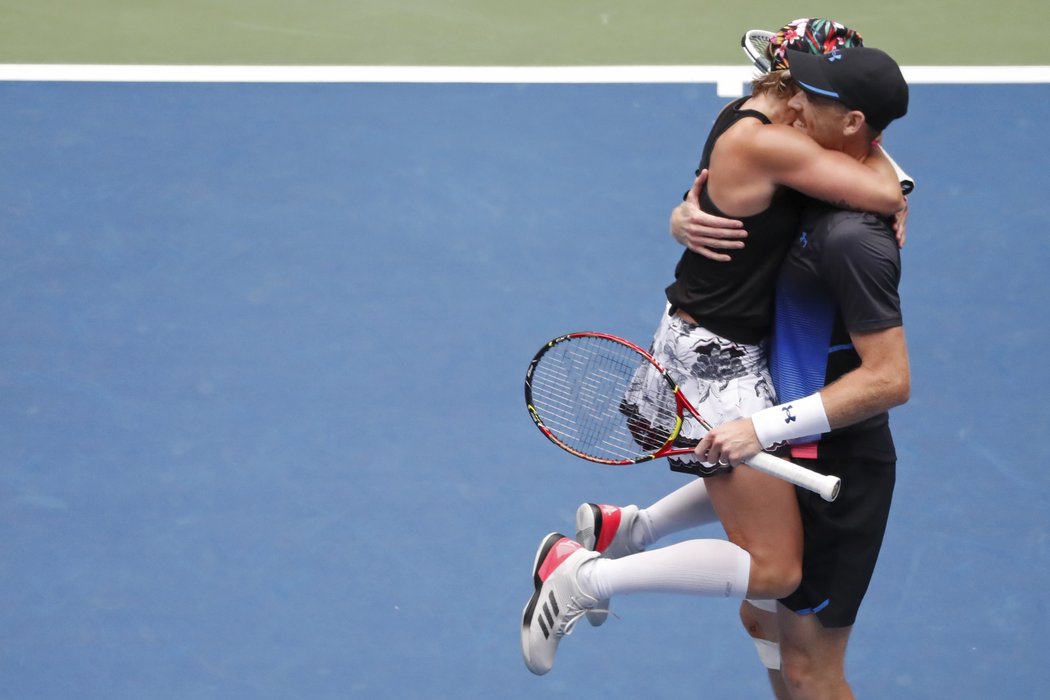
(755, 43)
(583, 392)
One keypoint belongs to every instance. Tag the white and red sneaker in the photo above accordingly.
(607, 530)
(557, 604)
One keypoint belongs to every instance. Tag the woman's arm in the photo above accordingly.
(793, 159)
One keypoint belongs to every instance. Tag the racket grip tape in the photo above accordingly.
(824, 484)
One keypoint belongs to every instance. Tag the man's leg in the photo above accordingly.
(813, 657)
(759, 618)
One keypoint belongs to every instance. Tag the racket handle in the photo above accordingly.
(825, 485)
(906, 180)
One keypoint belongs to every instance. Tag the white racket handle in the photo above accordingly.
(906, 180)
(824, 484)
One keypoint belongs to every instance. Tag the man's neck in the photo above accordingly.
(857, 147)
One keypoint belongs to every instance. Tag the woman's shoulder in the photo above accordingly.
(764, 143)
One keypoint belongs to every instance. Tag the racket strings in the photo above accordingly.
(756, 45)
(586, 392)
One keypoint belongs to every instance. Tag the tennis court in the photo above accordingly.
(262, 428)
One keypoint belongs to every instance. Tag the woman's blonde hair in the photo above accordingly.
(777, 83)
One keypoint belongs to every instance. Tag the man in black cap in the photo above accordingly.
(863, 79)
(839, 362)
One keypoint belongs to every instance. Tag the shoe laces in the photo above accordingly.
(574, 611)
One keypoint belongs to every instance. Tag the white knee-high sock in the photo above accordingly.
(716, 568)
(682, 509)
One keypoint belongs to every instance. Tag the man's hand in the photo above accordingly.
(899, 224)
(704, 233)
(733, 443)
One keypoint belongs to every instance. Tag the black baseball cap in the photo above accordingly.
(861, 78)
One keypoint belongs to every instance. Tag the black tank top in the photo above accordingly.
(735, 299)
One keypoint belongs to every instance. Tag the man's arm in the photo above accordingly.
(703, 233)
(882, 381)
(708, 235)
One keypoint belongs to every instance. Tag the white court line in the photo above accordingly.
(729, 79)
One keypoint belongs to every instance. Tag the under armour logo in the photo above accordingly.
(834, 56)
(788, 418)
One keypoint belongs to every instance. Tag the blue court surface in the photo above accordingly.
(262, 432)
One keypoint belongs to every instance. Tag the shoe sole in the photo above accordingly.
(588, 525)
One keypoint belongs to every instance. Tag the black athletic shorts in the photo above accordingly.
(842, 538)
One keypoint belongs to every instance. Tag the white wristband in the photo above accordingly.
(802, 418)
